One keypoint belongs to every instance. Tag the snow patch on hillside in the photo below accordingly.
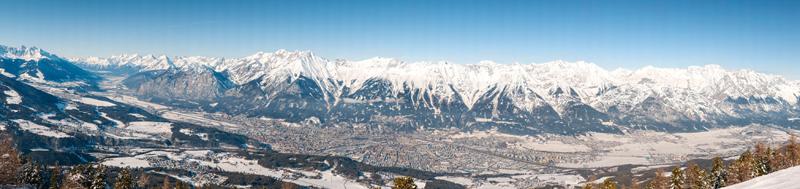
(3, 72)
(130, 162)
(655, 148)
(94, 102)
(69, 122)
(695, 91)
(232, 163)
(39, 129)
(12, 97)
(782, 179)
(116, 122)
(150, 127)
(536, 143)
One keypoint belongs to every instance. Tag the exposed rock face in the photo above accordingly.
(200, 85)
(556, 97)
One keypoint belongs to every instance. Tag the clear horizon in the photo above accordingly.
(761, 36)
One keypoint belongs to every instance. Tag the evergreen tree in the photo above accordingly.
(696, 177)
(762, 155)
(166, 184)
(181, 185)
(54, 177)
(778, 160)
(77, 177)
(659, 181)
(124, 180)
(590, 183)
(677, 179)
(31, 173)
(718, 173)
(742, 169)
(10, 163)
(143, 180)
(99, 178)
(792, 152)
(609, 184)
(288, 185)
(635, 184)
(404, 182)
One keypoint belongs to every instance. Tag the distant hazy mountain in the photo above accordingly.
(556, 97)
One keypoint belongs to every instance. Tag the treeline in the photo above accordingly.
(23, 172)
(757, 161)
(17, 171)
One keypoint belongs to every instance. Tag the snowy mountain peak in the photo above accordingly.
(279, 54)
(579, 80)
(26, 53)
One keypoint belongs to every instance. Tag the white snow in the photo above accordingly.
(231, 163)
(196, 118)
(94, 102)
(71, 106)
(526, 142)
(135, 101)
(39, 129)
(782, 179)
(69, 122)
(12, 97)
(3, 71)
(150, 127)
(203, 136)
(329, 180)
(527, 178)
(656, 148)
(458, 180)
(685, 90)
(117, 123)
(25, 53)
(132, 162)
(137, 115)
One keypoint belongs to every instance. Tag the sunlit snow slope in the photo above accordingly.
(783, 179)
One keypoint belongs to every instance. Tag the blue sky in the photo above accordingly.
(759, 35)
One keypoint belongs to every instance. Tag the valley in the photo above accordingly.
(200, 121)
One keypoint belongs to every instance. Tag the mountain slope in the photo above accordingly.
(555, 97)
(786, 178)
(19, 99)
(36, 65)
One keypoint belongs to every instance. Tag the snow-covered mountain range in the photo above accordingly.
(36, 65)
(559, 96)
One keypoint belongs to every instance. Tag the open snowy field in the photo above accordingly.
(231, 163)
(150, 127)
(39, 129)
(94, 102)
(651, 148)
(638, 148)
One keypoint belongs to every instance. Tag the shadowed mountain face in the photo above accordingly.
(46, 69)
(557, 97)
(35, 65)
(201, 85)
(19, 99)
